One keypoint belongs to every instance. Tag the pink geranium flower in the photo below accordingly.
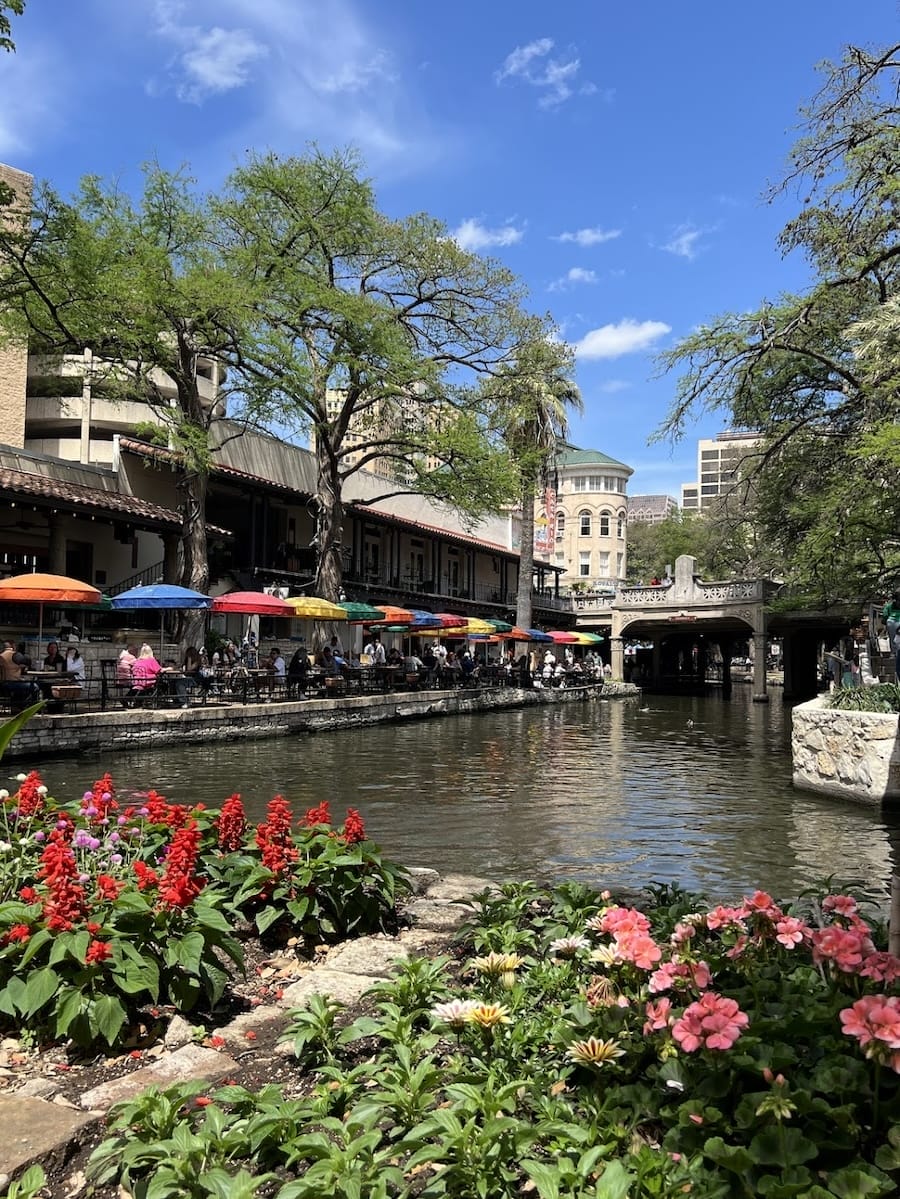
(760, 903)
(845, 947)
(623, 920)
(843, 905)
(874, 1019)
(720, 917)
(713, 1022)
(659, 1015)
(881, 967)
(790, 932)
(638, 948)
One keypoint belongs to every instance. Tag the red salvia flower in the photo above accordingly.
(159, 811)
(64, 904)
(273, 836)
(98, 951)
(319, 815)
(93, 927)
(231, 825)
(108, 887)
(28, 801)
(354, 829)
(28, 895)
(180, 885)
(18, 932)
(146, 877)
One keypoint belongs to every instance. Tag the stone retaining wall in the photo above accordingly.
(94, 732)
(854, 755)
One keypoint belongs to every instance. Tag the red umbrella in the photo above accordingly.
(253, 603)
(561, 638)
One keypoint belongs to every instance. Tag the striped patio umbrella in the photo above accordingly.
(588, 638)
(559, 637)
(310, 607)
(361, 613)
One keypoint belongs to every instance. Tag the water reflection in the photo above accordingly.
(679, 789)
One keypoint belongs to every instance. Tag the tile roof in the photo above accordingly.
(92, 498)
(573, 457)
(162, 454)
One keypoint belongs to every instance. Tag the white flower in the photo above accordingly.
(42, 790)
(20, 778)
(4, 795)
(568, 947)
(5, 846)
(674, 1085)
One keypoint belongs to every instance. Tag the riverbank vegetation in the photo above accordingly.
(111, 909)
(570, 1046)
(883, 697)
(816, 373)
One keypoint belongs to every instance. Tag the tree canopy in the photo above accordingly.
(16, 7)
(817, 373)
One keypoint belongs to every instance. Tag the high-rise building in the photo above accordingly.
(718, 468)
(650, 509)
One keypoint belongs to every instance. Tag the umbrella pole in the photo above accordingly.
(40, 628)
(162, 632)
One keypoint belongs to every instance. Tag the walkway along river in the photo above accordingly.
(620, 792)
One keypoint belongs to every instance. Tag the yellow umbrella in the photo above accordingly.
(310, 607)
(478, 627)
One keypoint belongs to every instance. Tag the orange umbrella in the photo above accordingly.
(393, 615)
(516, 634)
(43, 589)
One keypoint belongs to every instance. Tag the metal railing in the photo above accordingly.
(150, 574)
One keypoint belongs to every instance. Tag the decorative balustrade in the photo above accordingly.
(737, 590)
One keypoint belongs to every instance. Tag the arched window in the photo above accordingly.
(584, 523)
(620, 529)
(604, 524)
(560, 525)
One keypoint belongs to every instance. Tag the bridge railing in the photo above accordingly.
(732, 590)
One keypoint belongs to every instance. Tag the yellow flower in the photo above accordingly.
(487, 1015)
(594, 1052)
(494, 964)
(606, 955)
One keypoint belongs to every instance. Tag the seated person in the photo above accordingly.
(413, 664)
(394, 658)
(196, 674)
(124, 664)
(298, 672)
(13, 683)
(327, 662)
(21, 650)
(54, 659)
(144, 672)
(74, 666)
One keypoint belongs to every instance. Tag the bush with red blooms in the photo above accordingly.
(113, 903)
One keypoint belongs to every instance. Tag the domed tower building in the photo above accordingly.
(588, 520)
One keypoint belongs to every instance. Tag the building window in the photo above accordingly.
(560, 525)
(620, 526)
(584, 524)
(580, 483)
(604, 562)
(604, 524)
(584, 564)
(620, 565)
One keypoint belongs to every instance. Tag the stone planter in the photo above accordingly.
(853, 755)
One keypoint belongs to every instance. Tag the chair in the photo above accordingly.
(111, 686)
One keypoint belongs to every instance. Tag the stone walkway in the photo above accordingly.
(47, 1131)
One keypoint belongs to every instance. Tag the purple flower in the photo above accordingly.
(116, 859)
(90, 811)
(113, 838)
(61, 824)
(94, 843)
(88, 795)
(121, 820)
(39, 835)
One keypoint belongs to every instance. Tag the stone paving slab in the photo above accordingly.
(189, 1062)
(345, 988)
(459, 887)
(424, 941)
(438, 916)
(242, 1031)
(34, 1129)
(421, 878)
(368, 955)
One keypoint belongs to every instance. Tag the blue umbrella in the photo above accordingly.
(164, 597)
(536, 635)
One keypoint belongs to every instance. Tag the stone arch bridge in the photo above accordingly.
(682, 620)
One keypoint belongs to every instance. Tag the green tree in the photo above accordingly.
(533, 396)
(16, 7)
(371, 335)
(143, 287)
(815, 372)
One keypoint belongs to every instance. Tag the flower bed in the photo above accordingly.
(572, 1047)
(109, 909)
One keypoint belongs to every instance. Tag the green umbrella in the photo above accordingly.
(501, 626)
(361, 613)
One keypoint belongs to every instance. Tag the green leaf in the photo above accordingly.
(12, 997)
(853, 1183)
(69, 1003)
(9, 728)
(266, 918)
(40, 988)
(189, 951)
(109, 1015)
(615, 1182)
(730, 1157)
(544, 1177)
(37, 943)
(781, 1147)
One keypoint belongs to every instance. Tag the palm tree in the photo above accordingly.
(540, 394)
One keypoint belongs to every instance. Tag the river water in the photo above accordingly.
(620, 792)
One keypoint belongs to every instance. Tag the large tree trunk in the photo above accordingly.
(329, 526)
(526, 556)
(194, 558)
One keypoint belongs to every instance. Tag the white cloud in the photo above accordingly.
(554, 77)
(576, 274)
(209, 61)
(612, 386)
(627, 337)
(589, 237)
(357, 77)
(684, 242)
(472, 235)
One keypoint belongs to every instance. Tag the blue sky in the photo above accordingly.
(613, 154)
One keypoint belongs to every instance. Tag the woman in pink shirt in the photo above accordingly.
(144, 670)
